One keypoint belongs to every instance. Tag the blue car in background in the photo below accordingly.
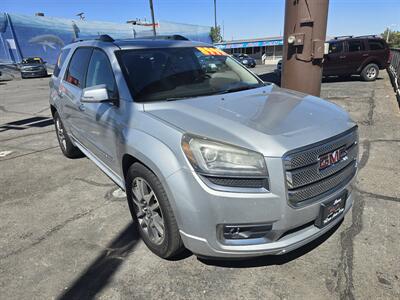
(33, 67)
(244, 59)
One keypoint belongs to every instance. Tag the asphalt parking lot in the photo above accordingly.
(65, 230)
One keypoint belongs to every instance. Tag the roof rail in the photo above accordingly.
(369, 36)
(176, 37)
(102, 37)
(342, 37)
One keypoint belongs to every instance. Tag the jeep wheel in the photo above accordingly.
(370, 72)
(67, 148)
(150, 208)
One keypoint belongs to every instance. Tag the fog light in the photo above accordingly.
(245, 232)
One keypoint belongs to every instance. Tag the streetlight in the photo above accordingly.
(81, 16)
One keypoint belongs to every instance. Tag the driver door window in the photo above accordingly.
(100, 72)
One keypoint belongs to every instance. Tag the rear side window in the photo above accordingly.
(355, 46)
(335, 47)
(100, 71)
(60, 61)
(376, 45)
(76, 72)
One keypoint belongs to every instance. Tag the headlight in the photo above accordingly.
(245, 61)
(210, 157)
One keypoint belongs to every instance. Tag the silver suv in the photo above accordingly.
(211, 158)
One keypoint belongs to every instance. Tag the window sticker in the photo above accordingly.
(211, 51)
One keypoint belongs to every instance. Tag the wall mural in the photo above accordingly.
(26, 36)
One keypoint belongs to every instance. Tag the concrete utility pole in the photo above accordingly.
(304, 44)
(152, 17)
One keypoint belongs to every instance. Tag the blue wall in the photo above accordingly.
(23, 36)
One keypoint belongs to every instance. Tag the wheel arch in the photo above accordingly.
(155, 155)
(369, 61)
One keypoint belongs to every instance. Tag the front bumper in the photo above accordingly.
(32, 74)
(200, 210)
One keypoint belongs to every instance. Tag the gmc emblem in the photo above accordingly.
(332, 158)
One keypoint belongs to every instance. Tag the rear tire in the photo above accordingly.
(151, 210)
(370, 72)
(66, 146)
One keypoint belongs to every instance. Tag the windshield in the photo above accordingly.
(176, 73)
(32, 60)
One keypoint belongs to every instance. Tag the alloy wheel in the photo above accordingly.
(60, 133)
(371, 73)
(148, 211)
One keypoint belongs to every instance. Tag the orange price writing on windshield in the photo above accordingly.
(211, 51)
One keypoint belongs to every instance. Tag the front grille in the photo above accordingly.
(32, 69)
(306, 182)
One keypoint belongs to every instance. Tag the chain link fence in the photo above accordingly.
(394, 72)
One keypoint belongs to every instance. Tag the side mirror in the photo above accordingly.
(96, 94)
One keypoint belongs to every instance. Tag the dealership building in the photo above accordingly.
(272, 47)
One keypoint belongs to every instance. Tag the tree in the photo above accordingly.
(394, 38)
(215, 34)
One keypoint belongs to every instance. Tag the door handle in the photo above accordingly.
(82, 107)
(366, 54)
(343, 56)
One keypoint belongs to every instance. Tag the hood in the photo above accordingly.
(269, 120)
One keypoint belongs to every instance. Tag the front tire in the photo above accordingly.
(150, 208)
(370, 72)
(66, 146)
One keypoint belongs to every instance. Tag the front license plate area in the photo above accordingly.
(331, 210)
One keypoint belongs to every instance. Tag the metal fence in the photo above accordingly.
(394, 72)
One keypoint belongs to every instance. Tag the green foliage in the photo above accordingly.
(394, 38)
(215, 34)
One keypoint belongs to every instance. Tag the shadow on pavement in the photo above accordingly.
(263, 261)
(274, 78)
(344, 78)
(99, 273)
(27, 123)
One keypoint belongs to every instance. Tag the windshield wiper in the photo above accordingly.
(176, 98)
(240, 88)
(190, 96)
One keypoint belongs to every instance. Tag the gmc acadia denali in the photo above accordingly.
(211, 158)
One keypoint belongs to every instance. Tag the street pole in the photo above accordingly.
(304, 44)
(152, 17)
(215, 14)
(387, 35)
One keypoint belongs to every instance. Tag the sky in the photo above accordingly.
(240, 19)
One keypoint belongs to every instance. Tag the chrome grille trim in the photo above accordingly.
(335, 181)
(303, 176)
(306, 182)
(309, 156)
